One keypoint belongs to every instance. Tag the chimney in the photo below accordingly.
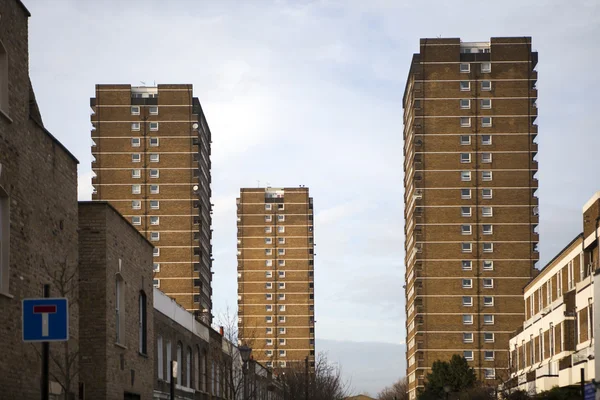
(222, 331)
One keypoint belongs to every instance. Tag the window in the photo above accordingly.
(269, 307)
(154, 204)
(467, 247)
(467, 319)
(281, 229)
(487, 211)
(269, 331)
(465, 157)
(281, 206)
(269, 263)
(486, 67)
(143, 322)
(154, 189)
(281, 318)
(156, 283)
(135, 157)
(465, 211)
(268, 207)
(282, 353)
(268, 218)
(489, 373)
(486, 122)
(468, 337)
(467, 283)
(465, 86)
(268, 240)
(467, 301)
(281, 218)
(281, 297)
(154, 236)
(488, 319)
(488, 337)
(486, 140)
(488, 247)
(136, 173)
(488, 355)
(281, 252)
(465, 104)
(281, 274)
(136, 189)
(154, 142)
(153, 126)
(487, 229)
(136, 204)
(268, 252)
(465, 229)
(465, 67)
(179, 364)
(169, 371)
(468, 355)
(135, 110)
(153, 110)
(486, 85)
(281, 240)
(486, 157)
(281, 285)
(159, 357)
(465, 122)
(268, 229)
(281, 263)
(465, 194)
(465, 139)
(282, 342)
(467, 265)
(269, 296)
(486, 104)
(486, 193)
(135, 126)
(488, 265)
(154, 157)
(282, 331)
(136, 220)
(154, 173)
(135, 142)
(269, 274)
(119, 307)
(269, 285)
(488, 301)
(465, 176)
(269, 320)
(156, 267)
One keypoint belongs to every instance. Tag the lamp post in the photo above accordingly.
(447, 389)
(245, 354)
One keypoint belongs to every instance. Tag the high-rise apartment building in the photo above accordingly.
(470, 207)
(276, 275)
(151, 148)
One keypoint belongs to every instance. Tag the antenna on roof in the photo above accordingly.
(143, 83)
(257, 183)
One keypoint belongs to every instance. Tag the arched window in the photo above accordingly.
(143, 328)
(3, 79)
(179, 365)
(188, 367)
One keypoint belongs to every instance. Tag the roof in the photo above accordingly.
(19, 2)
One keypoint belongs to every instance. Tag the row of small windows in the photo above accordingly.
(135, 110)
(465, 158)
(281, 296)
(467, 247)
(137, 142)
(269, 308)
(137, 204)
(486, 140)
(269, 274)
(137, 189)
(282, 331)
(465, 176)
(485, 211)
(136, 126)
(269, 207)
(280, 252)
(486, 104)
(280, 319)
(488, 283)
(269, 218)
(137, 220)
(280, 285)
(488, 319)
(484, 67)
(136, 157)
(486, 122)
(269, 240)
(137, 173)
(465, 86)
(487, 265)
(488, 337)
(486, 229)
(488, 301)
(465, 194)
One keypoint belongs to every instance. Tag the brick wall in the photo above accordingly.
(40, 177)
(111, 247)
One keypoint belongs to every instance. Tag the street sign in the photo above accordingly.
(589, 392)
(45, 320)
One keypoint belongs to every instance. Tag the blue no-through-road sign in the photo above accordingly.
(45, 320)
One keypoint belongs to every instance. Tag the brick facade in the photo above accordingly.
(38, 176)
(470, 205)
(110, 249)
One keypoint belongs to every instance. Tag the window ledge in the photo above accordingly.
(5, 115)
(6, 294)
(120, 345)
(142, 354)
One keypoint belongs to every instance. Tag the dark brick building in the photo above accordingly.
(115, 305)
(38, 212)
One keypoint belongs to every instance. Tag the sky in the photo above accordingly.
(310, 93)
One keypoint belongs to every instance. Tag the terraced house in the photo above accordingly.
(471, 212)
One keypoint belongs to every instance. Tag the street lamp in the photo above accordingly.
(447, 389)
(245, 354)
